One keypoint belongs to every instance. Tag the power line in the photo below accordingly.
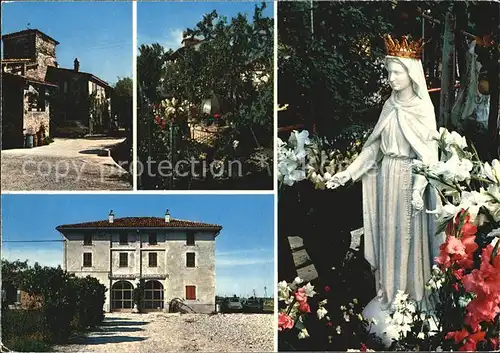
(32, 241)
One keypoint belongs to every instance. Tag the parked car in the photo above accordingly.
(253, 305)
(234, 304)
(71, 128)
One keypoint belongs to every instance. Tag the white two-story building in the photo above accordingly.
(176, 258)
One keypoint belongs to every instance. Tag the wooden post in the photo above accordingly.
(447, 71)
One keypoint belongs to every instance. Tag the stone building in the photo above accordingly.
(27, 55)
(82, 96)
(39, 97)
(175, 258)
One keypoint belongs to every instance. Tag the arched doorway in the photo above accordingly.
(121, 296)
(153, 295)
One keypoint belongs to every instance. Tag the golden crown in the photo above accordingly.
(403, 48)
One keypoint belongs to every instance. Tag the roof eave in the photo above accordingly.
(217, 229)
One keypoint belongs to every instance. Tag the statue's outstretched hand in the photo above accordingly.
(340, 179)
(417, 201)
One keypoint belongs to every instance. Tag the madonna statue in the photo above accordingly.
(400, 242)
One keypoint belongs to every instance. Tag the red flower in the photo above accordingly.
(217, 116)
(327, 289)
(363, 347)
(458, 336)
(472, 341)
(304, 307)
(284, 322)
(329, 324)
(455, 286)
(494, 342)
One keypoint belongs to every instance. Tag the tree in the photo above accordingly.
(123, 101)
(330, 70)
(230, 60)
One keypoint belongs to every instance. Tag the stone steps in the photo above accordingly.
(303, 265)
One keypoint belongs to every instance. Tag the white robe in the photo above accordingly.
(400, 243)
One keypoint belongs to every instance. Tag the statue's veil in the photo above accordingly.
(416, 73)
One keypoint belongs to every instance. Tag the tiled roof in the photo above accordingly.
(26, 78)
(141, 222)
(72, 71)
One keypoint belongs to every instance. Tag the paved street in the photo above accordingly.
(161, 332)
(65, 164)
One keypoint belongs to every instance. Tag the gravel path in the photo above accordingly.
(160, 332)
(65, 164)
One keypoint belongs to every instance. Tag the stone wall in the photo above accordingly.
(45, 56)
(33, 119)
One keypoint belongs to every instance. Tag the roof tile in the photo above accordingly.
(140, 222)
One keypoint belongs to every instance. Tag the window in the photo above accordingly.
(152, 239)
(123, 239)
(153, 259)
(190, 239)
(87, 259)
(190, 292)
(87, 239)
(123, 259)
(41, 100)
(190, 261)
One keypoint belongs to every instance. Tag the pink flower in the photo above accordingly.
(455, 246)
(327, 289)
(301, 295)
(284, 322)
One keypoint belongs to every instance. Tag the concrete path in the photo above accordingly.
(65, 164)
(162, 332)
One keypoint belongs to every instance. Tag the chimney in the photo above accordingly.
(76, 65)
(167, 217)
(111, 217)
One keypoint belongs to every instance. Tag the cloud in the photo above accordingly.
(239, 261)
(241, 251)
(173, 39)
(227, 286)
(244, 257)
(44, 256)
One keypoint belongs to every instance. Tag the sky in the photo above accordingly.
(99, 34)
(164, 22)
(244, 249)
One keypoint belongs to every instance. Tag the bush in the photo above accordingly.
(90, 300)
(23, 323)
(68, 303)
(25, 344)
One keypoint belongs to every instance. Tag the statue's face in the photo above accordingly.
(398, 76)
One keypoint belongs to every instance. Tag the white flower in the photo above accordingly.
(421, 335)
(298, 280)
(453, 170)
(235, 144)
(347, 318)
(303, 333)
(321, 312)
(339, 330)
(309, 290)
(283, 290)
